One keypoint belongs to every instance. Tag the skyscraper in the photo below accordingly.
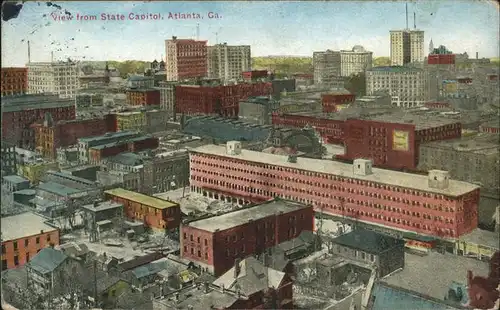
(407, 46)
(326, 67)
(186, 58)
(228, 62)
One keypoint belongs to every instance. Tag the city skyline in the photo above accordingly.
(270, 28)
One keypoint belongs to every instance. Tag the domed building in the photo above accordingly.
(355, 61)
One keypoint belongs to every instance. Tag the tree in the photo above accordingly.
(381, 61)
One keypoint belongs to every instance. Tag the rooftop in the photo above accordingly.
(368, 241)
(23, 225)
(102, 206)
(481, 143)
(47, 260)
(482, 237)
(395, 69)
(15, 179)
(420, 121)
(443, 269)
(109, 135)
(33, 102)
(120, 142)
(141, 198)
(58, 189)
(242, 216)
(381, 176)
(126, 158)
(142, 90)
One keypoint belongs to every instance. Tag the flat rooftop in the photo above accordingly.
(480, 143)
(102, 206)
(32, 102)
(381, 176)
(109, 135)
(15, 179)
(23, 225)
(141, 198)
(442, 269)
(420, 121)
(482, 237)
(240, 217)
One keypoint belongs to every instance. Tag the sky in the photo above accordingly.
(270, 27)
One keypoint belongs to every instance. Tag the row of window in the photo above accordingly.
(267, 171)
(25, 242)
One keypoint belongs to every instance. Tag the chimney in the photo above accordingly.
(237, 267)
(477, 55)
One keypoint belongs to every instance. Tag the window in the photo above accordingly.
(206, 242)
(48, 238)
(192, 251)
(37, 240)
(3, 249)
(185, 235)
(372, 257)
(25, 243)
(16, 260)
(199, 240)
(15, 245)
(206, 255)
(191, 237)
(199, 253)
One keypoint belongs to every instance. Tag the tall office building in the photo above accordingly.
(53, 77)
(326, 67)
(228, 62)
(408, 87)
(407, 45)
(355, 61)
(186, 59)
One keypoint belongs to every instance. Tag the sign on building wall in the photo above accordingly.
(400, 140)
(450, 87)
(340, 107)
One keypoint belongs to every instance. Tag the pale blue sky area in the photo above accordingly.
(270, 27)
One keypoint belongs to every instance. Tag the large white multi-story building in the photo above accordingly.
(53, 77)
(167, 97)
(326, 66)
(407, 46)
(355, 61)
(227, 62)
(408, 87)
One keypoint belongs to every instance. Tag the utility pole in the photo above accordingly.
(197, 31)
(95, 284)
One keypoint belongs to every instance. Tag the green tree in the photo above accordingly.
(381, 61)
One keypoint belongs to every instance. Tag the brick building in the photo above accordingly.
(156, 213)
(220, 100)
(23, 236)
(217, 242)
(430, 205)
(8, 160)
(143, 97)
(390, 139)
(14, 81)
(255, 74)
(142, 143)
(84, 144)
(49, 136)
(441, 59)
(331, 102)
(186, 59)
(20, 112)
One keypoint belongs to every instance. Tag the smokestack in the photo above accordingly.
(477, 55)
(52, 56)
(29, 52)
(406, 8)
(414, 20)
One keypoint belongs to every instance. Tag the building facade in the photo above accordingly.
(371, 248)
(355, 61)
(166, 171)
(99, 152)
(53, 77)
(257, 110)
(156, 213)
(327, 66)
(143, 97)
(186, 59)
(408, 87)
(34, 171)
(14, 81)
(23, 236)
(8, 159)
(140, 82)
(429, 205)
(218, 100)
(470, 159)
(217, 242)
(227, 62)
(407, 46)
(84, 144)
(20, 112)
(167, 97)
(335, 101)
(49, 135)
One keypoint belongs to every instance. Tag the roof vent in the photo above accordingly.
(362, 167)
(438, 179)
